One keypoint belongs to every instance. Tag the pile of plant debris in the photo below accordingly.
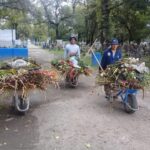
(128, 73)
(21, 75)
(66, 66)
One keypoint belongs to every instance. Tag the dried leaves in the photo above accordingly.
(66, 66)
(125, 74)
(24, 80)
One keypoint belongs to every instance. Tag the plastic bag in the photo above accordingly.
(19, 63)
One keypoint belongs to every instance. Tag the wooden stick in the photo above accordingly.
(92, 46)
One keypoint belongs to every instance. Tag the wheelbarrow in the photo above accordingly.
(128, 97)
(21, 102)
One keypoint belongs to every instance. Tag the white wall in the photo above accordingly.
(6, 37)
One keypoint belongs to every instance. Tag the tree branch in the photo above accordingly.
(65, 17)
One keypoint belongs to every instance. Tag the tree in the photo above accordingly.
(16, 4)
(17, 20)
(105, 20)
(132, 18)
(79, 25)
(75, 4)
(90, 21)
(39, 32)
(55, 14)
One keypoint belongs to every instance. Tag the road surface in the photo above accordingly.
(74, 119)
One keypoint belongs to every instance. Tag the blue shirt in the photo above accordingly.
(108, 57)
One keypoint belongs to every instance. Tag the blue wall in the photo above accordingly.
(13, 52)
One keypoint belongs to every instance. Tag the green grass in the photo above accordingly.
(57, 52)
(87, 60)
(146, 59)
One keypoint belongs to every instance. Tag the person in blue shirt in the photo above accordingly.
(110, 56)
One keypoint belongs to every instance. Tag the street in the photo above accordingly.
(74, 119)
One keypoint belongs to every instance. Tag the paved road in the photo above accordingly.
(74, 119)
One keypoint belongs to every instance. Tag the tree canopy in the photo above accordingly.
(89, 19)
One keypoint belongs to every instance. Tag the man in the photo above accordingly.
(110, 56)
(72, 49)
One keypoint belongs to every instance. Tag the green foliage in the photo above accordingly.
(14, 19)
(124, 19)
(131, 18)
(79, 26)
(39, 32)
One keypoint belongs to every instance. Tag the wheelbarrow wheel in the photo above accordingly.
(20, 105)
(131, 105)
(73, 83)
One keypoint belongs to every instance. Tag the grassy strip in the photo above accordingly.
(86, 59)
(57, 52)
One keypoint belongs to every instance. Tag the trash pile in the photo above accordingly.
(71, 65)
(128, 73)
(22, 75)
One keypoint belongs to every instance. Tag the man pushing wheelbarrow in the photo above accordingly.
(122, 77)
(110, 56)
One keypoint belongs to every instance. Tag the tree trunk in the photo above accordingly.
(105, 20)
(57, 31)
(130, 33)
(74, 9)
(87, 30)
(93, 33)
(16, 28)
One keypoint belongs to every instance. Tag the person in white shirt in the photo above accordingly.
(72, 49)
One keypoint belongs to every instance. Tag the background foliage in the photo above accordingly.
(89, 19)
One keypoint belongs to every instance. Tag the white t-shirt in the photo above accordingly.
(72, 50)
